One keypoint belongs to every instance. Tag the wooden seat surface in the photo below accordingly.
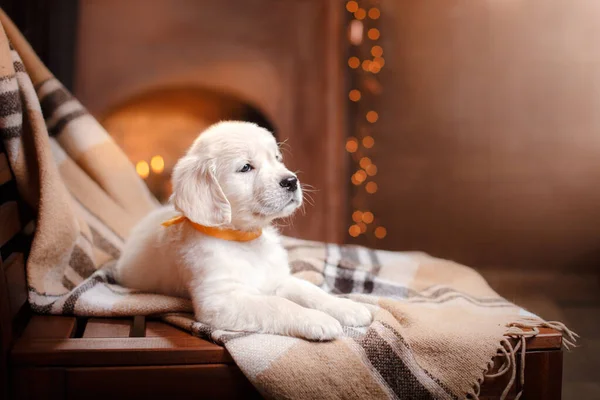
(129, 358)
(136, 357)
(54, 340)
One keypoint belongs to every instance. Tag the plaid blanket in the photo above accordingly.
(437, 324)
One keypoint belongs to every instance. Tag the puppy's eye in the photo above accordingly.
(247, 168)
(279, 157)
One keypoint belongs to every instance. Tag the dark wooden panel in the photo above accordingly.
(5, 172)
(14, 271)
(118, 351)
(9, 221)
(174, 382)
(6, 328)
(38, 383)
(51, 29)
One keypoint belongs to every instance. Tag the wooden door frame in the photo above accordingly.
(336, 167)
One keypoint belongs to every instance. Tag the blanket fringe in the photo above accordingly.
(569, 337)
(522, 329)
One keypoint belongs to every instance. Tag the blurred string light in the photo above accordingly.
(352, 6)
(157, 165)
(365, 62)
(351, 145)
(354, 95)
(372, 116)
(354, 62)
(142, 169)
(360, 14)
(374, 13)
(373, 34)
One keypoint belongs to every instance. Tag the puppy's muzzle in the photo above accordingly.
(290, 183)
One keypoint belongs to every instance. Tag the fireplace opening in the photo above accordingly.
(155, 128)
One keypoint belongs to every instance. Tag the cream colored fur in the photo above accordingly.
(239, 286)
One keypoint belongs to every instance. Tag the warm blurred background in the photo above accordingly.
(466, 129)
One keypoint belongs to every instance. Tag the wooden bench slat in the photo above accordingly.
(50, 327)
(107, 328)
(118, 351)
(162, 329)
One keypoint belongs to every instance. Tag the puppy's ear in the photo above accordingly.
(197, 194)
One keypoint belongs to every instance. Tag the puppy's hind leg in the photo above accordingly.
(250, 312)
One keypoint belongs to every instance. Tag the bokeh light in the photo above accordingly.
(374, 13)
(368, 217)
(354, 230)
(364, 162)
(380, 232)
(371, 170)
(142, 169)
(354, 95)
(360, 14)
(376, 51)
(371, 187)
(372, 116)
(352, 6)
(373, 34)
(157, 163)
(351, 145)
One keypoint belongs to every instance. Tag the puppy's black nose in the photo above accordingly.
(290, 183)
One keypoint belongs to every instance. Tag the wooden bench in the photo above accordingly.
(66, 357)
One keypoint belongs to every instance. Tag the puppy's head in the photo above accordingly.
(233, 175)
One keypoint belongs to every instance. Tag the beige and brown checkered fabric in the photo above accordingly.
(437, 323)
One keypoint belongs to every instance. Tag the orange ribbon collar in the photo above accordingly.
(219, 233)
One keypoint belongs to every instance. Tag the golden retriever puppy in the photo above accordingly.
(216, 244)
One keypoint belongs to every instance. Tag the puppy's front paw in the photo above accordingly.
(318, 326)
(348, 312)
